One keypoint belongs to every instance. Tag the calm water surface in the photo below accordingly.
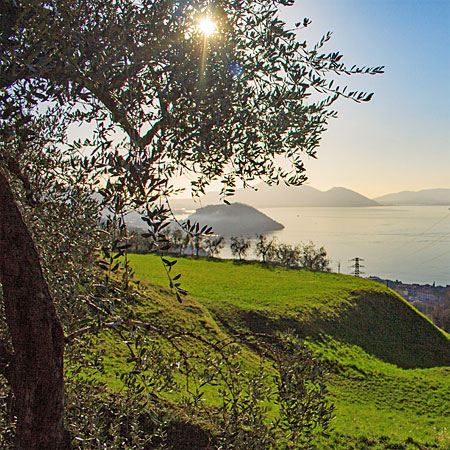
(408, 243)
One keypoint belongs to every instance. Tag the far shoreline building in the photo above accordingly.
(424, 293)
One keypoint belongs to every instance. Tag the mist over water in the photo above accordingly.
(406, 243)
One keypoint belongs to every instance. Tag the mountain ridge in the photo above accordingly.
(264, 196)
(438, 196)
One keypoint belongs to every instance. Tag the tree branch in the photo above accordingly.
(14, 168)
(91, 329)
(121, 117)
(218, 346)
(148, 137)
(117, 115)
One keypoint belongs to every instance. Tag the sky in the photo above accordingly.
(401, 139)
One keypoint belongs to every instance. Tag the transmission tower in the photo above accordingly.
(356, 266)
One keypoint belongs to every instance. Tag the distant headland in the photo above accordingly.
(235, 219)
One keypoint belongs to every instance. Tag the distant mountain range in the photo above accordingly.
(425, 197)
(264, 196)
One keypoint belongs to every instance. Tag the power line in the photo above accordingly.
(436, 257)
(429, 244)
(432, 226)
(356, 266)
(417, 236)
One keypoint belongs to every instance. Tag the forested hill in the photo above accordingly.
(235, 219)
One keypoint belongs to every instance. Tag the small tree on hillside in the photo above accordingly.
(265, 249)
(313, 258)
(197, 244)
(239, 247)
(138, 243)
(288, 255)
(441, 312)
(179, 240)
(214, 244)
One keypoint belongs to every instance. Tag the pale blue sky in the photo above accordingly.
(401, 139)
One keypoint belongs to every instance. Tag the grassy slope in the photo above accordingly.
(353, 310)
(365, 332)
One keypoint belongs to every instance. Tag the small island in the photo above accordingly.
(235, 219)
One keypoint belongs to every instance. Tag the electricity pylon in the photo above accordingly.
(356, 266)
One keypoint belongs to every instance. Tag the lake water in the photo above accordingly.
(406, 243)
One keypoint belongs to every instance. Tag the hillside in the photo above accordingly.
(354, 310)
(419, 198)
(390, 366)
(236, 219)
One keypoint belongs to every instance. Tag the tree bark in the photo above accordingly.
(36, 369)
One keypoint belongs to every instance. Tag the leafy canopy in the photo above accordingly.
(227, 106)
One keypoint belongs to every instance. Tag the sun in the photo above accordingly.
(207, 26)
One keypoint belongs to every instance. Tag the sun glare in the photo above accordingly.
(207, 26)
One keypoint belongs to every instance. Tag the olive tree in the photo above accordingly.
(288, 255)
(314, 258)
(154, 97)
(239, 246)
(214, 244)
(265, 248)
(179, 240)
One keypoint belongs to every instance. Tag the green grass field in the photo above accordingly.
(352, 310)
(389, 365)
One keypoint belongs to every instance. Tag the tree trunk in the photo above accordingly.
(36, 370)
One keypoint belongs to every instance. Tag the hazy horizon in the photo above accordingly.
(215, 187)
